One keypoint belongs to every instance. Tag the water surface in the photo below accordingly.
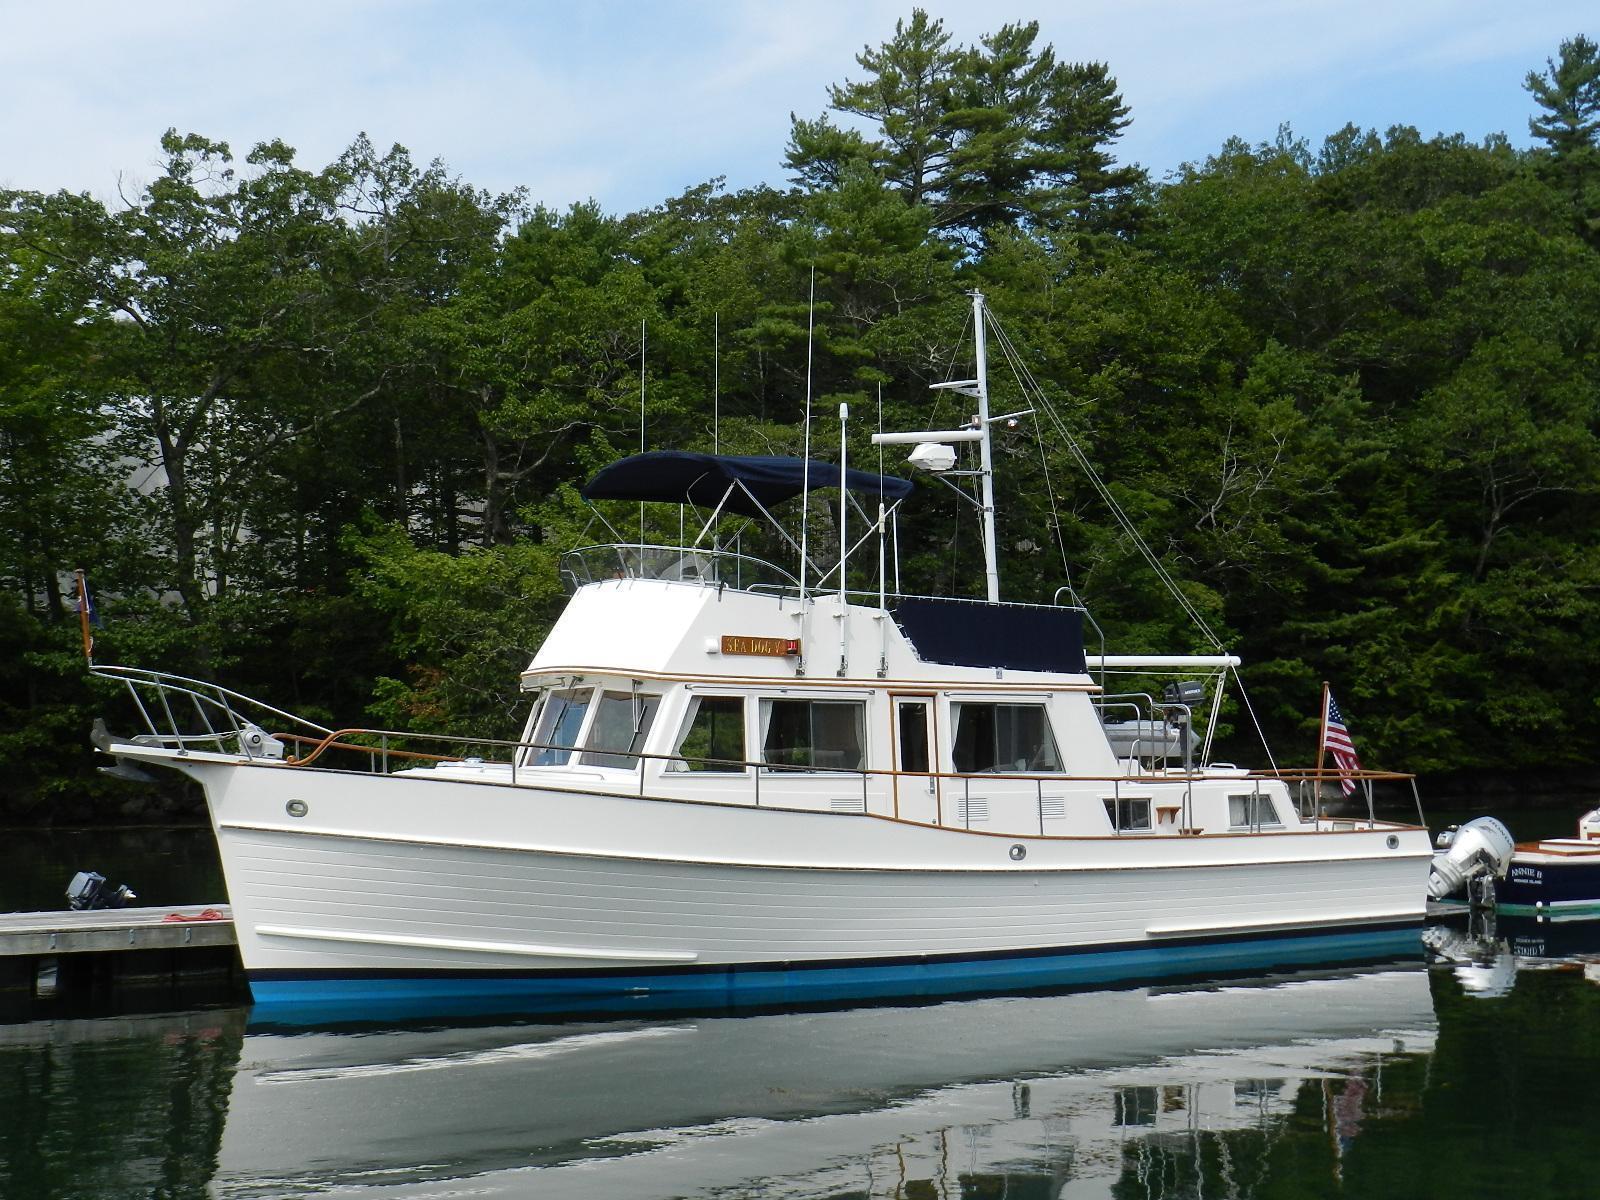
(1472, 1077)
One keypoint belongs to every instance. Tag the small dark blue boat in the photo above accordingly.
(1551, 877)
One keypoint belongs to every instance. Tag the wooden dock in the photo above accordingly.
(109, 959)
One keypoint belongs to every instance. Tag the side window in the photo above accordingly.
(713, 736)
(1251, 812)
(1128, 814)
(911, 725)
(525, 755)
(621, 724)
(557, 731)
(997, 738)
(816, 735)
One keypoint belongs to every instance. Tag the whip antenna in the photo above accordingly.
(805, 468)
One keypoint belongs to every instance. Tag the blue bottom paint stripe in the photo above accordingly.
(332, 997)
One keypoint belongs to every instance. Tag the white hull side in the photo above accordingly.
(468, 877)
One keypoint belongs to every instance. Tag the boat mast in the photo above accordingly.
(991, 569)
(935, 452)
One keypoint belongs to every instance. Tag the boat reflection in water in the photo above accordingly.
(1488, 951)
(1060, 1095)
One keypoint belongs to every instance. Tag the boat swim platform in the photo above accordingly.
(116, 959)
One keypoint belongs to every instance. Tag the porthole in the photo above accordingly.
(1392, 842)
(296, 808)
(1018, 853)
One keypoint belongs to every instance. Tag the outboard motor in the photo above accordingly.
(1479, 850)
(89, 889)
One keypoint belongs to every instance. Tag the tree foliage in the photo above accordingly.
(318, 431)
(1001, 135)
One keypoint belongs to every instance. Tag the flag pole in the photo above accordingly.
(1322, 742)
(1322, 733)
(83, 616)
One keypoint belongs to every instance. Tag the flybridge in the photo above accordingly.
(751, 485)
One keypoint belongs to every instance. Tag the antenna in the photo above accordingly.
(991, 569)
(716, 382)
(641, 434)
(883, 579)
(805, 467)
(844, 545)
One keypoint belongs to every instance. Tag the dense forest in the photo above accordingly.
(318, 433)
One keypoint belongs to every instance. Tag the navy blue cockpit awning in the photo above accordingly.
(684, 477)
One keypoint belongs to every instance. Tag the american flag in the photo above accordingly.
(1336, 740)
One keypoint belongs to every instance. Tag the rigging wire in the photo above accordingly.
(949, 373)
(1031, 387)
(1119, 514)
(1254, 720)
(1055, 515)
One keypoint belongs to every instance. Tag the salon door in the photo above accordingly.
(916, 758)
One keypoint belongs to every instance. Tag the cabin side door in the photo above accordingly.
(916, 757)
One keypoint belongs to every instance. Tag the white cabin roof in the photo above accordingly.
(698, 630)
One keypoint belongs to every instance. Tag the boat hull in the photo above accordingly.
(1566, 881)
(478, 897)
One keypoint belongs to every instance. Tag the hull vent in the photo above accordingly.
(972, 812)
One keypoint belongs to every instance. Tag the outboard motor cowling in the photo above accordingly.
(1481, 847)
(89, 890)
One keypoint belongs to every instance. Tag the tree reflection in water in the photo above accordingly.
(116, 1106)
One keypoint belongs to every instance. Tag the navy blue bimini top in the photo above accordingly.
(684, 477)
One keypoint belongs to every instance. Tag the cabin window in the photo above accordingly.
(621, 724)
(713, 736)
(1000, 738)
(814, 735)
(1128, 814)
(911, 721)
(1252, 812)
(559, 723)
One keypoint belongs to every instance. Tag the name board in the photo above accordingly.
(766, 647)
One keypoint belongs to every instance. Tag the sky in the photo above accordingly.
(629, 104)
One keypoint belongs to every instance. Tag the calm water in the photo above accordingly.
(1466, 1071)
(1464, 1078)
(163, 865)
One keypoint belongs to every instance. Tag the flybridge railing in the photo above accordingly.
(676, 564)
